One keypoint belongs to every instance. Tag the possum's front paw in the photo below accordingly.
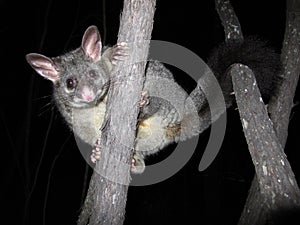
(95, 156)
(119, 52)
(137, 165)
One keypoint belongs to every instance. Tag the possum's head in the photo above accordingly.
(79, 77)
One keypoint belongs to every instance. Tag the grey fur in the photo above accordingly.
(171, 114)
(160, 122)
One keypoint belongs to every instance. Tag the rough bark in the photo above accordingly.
(281, 104)
(230, 22)
(109, 184)
(261, 202)
(279, 107)
(277, 184)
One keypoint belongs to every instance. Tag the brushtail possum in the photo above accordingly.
(81, 79)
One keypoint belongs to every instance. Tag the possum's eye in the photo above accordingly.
(71, 84)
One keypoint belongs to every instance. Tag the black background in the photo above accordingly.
(39, 150)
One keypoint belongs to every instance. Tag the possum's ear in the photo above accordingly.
(43, 66)
(91, 43)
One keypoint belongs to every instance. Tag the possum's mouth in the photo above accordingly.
(90, 98)
(87, 97)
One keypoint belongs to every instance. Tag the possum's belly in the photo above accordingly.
(154, 134)
(87, 123)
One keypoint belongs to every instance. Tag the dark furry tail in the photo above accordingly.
(253, 52)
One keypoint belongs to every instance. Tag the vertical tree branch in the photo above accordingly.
(230, 22)
(111, 177)
(27, 128)
(281, 104)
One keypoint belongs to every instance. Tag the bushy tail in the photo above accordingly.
(253, 52)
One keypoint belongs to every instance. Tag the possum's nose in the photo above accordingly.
(87, 94)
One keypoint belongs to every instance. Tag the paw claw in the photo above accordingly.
(95, 156)
(137, 165)
(144, 99)
(132, 162)
(123, 44)
(93, 159)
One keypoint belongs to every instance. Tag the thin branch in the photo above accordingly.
(49, 177)
(230, 22)
(104, 24)
(37, 169)
(281, 104)
(85, 183)
(28, 120)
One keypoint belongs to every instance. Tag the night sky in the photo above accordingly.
(41, 159)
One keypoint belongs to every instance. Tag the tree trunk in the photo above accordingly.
(106, 199)
(277, 184)
(279, 108)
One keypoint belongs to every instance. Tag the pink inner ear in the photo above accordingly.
(43, 66)
(52, 75)
(94, 51)
(91, 43)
